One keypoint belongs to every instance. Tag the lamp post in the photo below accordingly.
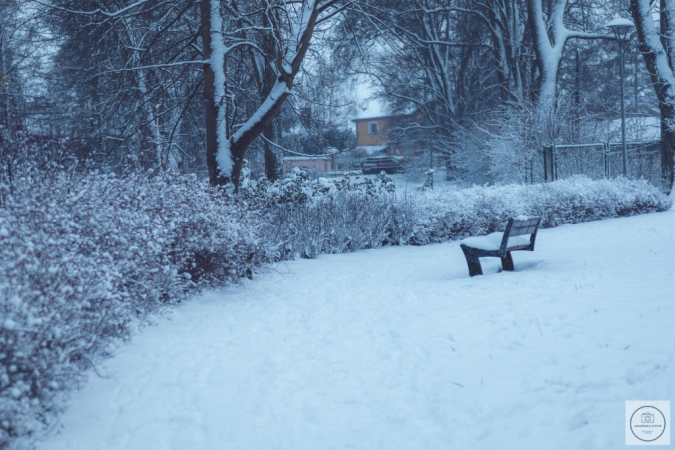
(622, 29)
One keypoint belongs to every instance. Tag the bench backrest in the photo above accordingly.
(519, 227)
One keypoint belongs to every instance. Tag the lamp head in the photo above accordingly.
(622, 28)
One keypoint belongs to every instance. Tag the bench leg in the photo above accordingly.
(507, 262)
(473, 262)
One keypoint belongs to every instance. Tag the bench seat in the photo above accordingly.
(494, 240)
(520, 234)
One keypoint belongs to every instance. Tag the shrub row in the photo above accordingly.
(82, 259)
(338, 216)
(449, 214)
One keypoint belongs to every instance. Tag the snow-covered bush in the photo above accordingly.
(307, 217)
(298, 188)
(334, 216)
(507, 145)
(341, 222)
(81, 258)
(449, 214)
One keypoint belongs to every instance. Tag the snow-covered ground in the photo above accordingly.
(397, 348)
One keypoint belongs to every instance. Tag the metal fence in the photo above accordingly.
(604, 160)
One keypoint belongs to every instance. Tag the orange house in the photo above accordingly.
(372, 135)
(372, 131)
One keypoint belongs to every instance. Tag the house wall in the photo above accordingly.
(363, 138)
(412, 148)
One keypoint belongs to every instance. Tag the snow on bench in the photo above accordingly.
(520, 234)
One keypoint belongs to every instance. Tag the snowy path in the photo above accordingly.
(398, 348)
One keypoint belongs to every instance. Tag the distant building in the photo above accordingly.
(374, 136)
(372, 131)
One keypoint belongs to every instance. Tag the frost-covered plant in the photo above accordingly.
(307, 217)
(507, 146)
(298, 188)
(352, 214)
(358, 215)
(341, 222)
(448, 214)
(82, 257)
(428, 181)
(384, 183)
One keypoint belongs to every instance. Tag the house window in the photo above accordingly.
(372, 127)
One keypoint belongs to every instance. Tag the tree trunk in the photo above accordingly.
(577, 98)
(667, 11)
(548, 50)
(506, 38)
(238, 151)
(660, 69)
(210, 108)
(272, 171)
(667, 146)
(267, 83)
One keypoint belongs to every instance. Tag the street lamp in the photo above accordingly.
(622, 29)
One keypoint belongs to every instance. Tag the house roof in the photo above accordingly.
(366, 119)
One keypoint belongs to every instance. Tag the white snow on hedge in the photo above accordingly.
(311, 217)
(84, 259)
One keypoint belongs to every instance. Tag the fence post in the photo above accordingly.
(550, 168)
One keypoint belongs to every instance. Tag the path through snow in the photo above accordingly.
(397, 348)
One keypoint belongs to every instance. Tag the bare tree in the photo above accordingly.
(127, 74)
(549, 38)
(656, 44)
(226, 28)
(20, 81)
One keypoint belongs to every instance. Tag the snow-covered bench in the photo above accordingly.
(500, 245)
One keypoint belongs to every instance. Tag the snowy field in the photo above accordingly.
(397, 348)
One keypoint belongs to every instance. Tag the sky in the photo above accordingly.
(367, 107)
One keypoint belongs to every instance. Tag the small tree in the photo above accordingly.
(227, 27)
